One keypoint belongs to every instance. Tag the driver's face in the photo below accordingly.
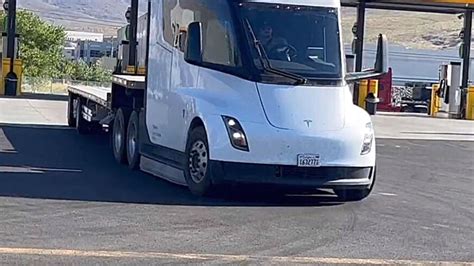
(266, 31)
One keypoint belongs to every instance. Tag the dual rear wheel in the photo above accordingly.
(125, 136)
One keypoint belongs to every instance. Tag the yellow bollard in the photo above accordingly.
(374, 87)
(435, 101)
(363, 91)
(17, 68)
(470, 104)
(372, 97)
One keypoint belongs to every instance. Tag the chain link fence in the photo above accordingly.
(55, 86)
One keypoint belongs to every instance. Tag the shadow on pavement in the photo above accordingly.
(37, 96)
(57, 163)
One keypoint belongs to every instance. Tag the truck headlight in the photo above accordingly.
(368, 139)
(236, 133)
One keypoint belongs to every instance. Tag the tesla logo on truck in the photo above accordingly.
(308, 122)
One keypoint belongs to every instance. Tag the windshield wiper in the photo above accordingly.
(265, 61)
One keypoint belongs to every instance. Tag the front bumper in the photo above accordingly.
(321, 177)
(272, 146)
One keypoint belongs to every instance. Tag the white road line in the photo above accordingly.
(441, 225)
(388, 194)
(221, 257)
(427, 228)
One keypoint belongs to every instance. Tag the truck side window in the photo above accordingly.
(219, 42)
(168, 5)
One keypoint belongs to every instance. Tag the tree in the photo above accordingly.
(79, 70)
(41, 45)
(41, 49)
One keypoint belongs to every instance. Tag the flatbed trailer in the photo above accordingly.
(93, 107)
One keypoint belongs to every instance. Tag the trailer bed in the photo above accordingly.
(103, 95)
(132, 82)
(100, 95)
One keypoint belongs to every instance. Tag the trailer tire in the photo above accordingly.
(133, 149)
(119, 135)
(83, 127)
(71, 118)
(197, 172)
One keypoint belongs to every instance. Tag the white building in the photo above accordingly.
(75, 36)
(91, 48)
(70, 50)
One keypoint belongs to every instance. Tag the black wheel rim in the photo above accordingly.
(198, 161)
(132, 140)
(118, 135)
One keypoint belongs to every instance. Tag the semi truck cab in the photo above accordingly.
(255, 92)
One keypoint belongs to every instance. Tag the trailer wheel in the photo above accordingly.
(82, 126)
(133, 152)
(197, 174)
(71, 111)
(356, 194)
(119, 134)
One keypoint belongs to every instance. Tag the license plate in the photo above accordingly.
(309, 160)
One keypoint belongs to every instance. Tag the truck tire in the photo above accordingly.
(356, 194)
(82, 126)
(71, 118)
(133, 149)
(119, 135)
(198, 178)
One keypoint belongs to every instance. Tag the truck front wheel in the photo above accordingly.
(197, 174)
(119, 135)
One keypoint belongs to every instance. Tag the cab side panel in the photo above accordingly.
(159, 75)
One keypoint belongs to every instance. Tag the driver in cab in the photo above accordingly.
(274, 46)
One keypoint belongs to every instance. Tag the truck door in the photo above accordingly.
(159, 74)
(183, 78)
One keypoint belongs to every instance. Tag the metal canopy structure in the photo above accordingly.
(433, 6)
(464, 7)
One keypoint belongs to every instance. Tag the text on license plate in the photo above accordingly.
(309, 160)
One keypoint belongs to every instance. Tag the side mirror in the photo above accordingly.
(381, 63)
(193, 51)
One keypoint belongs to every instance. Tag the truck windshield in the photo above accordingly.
(300, 40)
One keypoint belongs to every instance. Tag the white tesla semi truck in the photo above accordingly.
(239, 91)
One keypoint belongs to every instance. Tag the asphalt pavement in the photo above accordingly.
(64, 200)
